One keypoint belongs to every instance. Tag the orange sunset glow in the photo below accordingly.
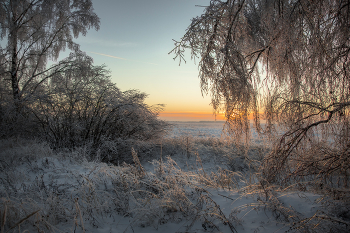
(191, 116)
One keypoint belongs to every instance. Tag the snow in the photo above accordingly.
(181, 194)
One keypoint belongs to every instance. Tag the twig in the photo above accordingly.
(225, 196)
(22, 220)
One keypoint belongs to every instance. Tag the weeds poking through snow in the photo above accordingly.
(140, 170)
(50, 192)
(78, 216)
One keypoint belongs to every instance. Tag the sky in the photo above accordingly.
(134, 41)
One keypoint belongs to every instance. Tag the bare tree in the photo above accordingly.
(290, 61)
(80, 105)
(37, 31)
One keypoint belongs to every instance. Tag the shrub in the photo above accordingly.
(80, 106)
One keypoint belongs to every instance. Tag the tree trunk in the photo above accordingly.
(14, 76)
(14, 61)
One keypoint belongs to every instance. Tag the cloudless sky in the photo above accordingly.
(134, 41)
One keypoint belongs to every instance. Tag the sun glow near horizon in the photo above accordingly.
(196, 116)
(191, 116)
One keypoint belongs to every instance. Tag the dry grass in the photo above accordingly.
(39, 192)
(45, 200)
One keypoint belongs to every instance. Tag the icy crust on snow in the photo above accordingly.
(181, 194)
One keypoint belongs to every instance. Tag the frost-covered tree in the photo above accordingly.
(80, 105)
(287, 62)
(37, 31)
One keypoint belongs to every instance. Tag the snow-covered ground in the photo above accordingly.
(199, 129)
(45, 191)
(204, 129)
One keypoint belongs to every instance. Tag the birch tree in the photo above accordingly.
(36, 31)
(286, 62)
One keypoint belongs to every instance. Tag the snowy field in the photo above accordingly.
(204, 129)
(199, 129)
(201, 184)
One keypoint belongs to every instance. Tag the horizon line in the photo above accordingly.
(191, 116)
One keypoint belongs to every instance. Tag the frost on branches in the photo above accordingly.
(286, 64)
(38, 30)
